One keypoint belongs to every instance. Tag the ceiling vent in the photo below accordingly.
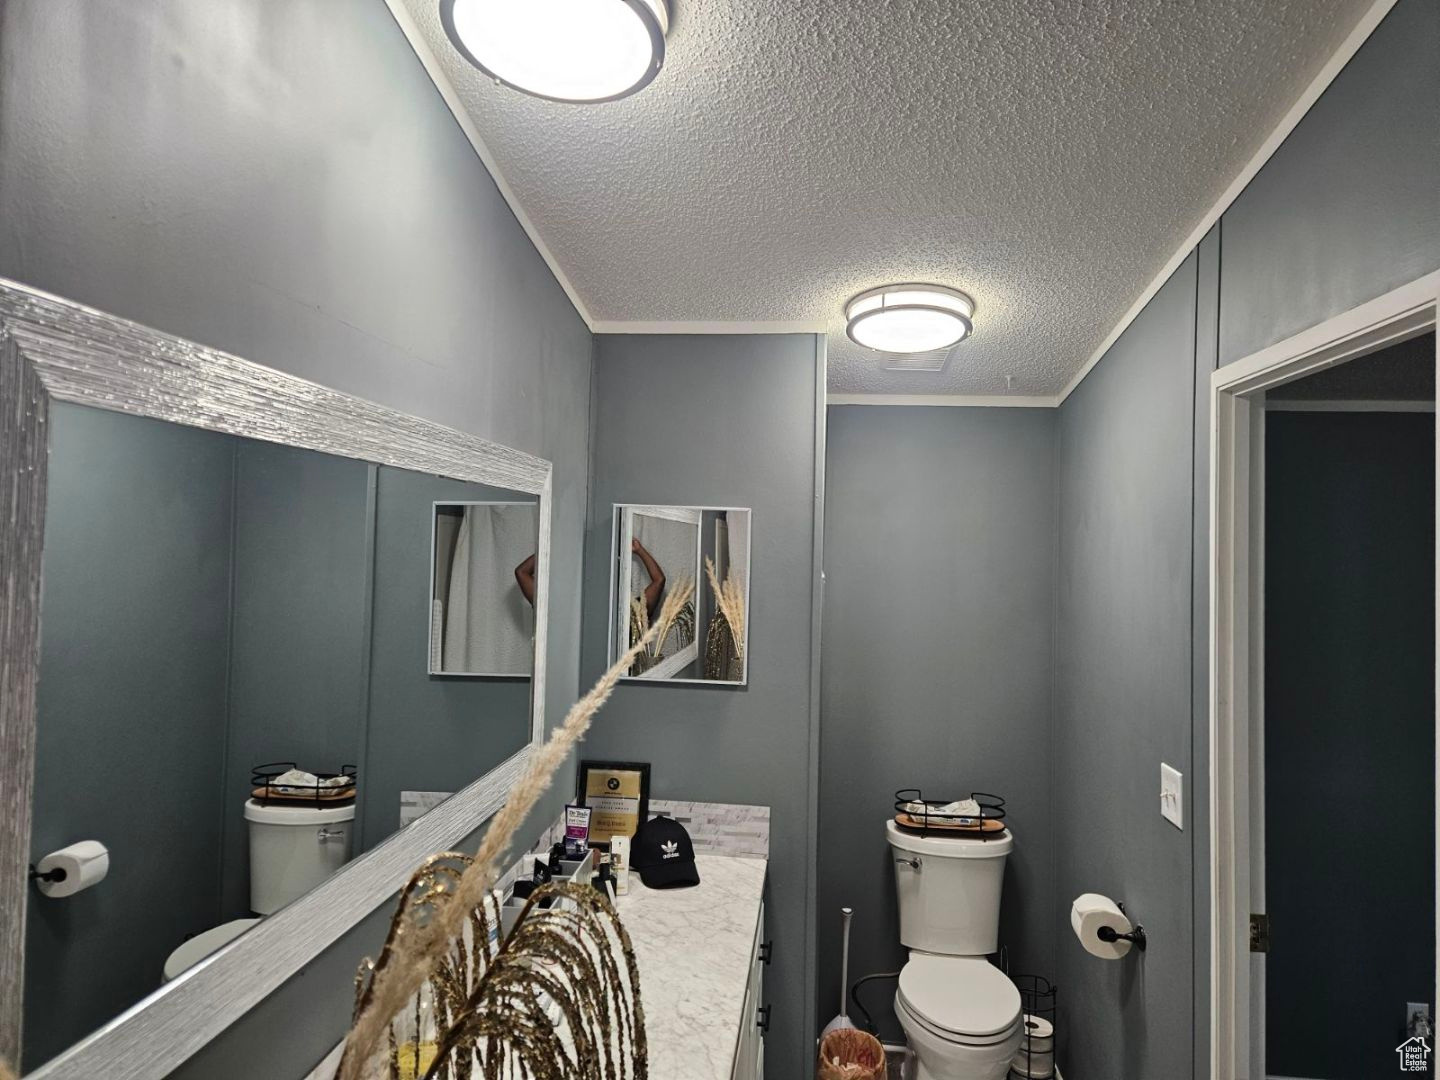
(935, 361)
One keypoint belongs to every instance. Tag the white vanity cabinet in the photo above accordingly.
(755, 1014)
(701, 953)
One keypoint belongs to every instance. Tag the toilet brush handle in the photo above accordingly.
(845, 914)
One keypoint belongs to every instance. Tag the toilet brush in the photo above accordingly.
(843, 1020)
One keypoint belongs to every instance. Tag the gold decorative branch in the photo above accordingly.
(420, 945)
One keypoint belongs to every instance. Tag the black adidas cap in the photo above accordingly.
(661, 851)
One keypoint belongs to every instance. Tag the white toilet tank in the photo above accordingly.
(293, 849)
(949, 890)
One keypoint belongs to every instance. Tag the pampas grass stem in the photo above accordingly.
(669, 613)
(731, 600)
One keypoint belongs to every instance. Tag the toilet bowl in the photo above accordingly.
(293, 848)
(197, 948)
(962, 1016)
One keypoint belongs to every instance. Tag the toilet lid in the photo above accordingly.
(963, 995)
(200, 946)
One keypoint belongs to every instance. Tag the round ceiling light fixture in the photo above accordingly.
(562, 50)
(909, 318)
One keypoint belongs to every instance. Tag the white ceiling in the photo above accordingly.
(1046, 156)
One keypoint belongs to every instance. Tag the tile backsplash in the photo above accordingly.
(721, 828)
(714, 828)
(415, 804)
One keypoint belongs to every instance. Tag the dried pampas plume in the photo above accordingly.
(731, 600)
(405, 968)
(5, 1073)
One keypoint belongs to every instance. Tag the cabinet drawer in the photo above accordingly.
(744, 1066)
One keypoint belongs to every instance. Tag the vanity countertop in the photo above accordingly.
(693, 948)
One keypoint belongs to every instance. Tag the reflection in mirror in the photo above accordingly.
(233, 698)
(656, 547)
(482, 588)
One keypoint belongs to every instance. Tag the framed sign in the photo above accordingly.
(617, 793)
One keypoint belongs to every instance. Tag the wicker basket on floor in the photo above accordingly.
(851, 1054)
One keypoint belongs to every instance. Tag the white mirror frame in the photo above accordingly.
(56, 350)
(620, 582)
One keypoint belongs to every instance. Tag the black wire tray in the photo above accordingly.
(265, 790)
(984, 825)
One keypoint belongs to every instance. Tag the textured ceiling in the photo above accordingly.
(1046, 157)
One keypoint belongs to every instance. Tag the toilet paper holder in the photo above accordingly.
(48, 875)
(1110, 935)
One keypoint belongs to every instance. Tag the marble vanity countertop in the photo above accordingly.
(693, 948)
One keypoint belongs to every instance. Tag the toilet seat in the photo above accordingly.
(197, 948)
(960, 999)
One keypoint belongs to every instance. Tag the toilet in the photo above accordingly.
(293, 848)
(961, 1014)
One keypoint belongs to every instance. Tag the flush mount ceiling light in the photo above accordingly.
(909, 318)
(562, 50)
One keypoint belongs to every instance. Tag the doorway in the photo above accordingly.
(1347, 766)
(1307, 770)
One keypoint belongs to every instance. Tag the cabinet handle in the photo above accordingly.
(766, 950)
(762, 1018)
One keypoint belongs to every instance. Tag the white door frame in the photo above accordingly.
(1236, 396)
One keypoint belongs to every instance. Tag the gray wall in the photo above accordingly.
(284, 182)
(426, 732)
(299, 628)
(128, 752)
(1122, 689)
(939, 592)
(724, 421)
(1349, 725)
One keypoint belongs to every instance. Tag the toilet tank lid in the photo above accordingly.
(949, 847)
(272, 814)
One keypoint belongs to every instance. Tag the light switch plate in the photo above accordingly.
(1417, 1019)
(1172, 792)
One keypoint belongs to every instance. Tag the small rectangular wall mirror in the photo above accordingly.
(655, 549)
(482, 588)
